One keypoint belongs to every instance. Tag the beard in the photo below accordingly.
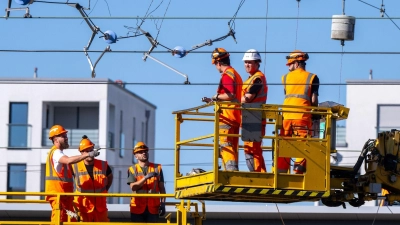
(65, 145)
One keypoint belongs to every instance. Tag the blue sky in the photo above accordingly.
(371, 35)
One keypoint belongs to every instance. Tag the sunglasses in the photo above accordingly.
(142, 152)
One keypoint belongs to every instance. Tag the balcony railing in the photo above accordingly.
(19, 135)
(74, 136)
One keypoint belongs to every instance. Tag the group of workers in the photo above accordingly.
(300, 88)
(90, 175)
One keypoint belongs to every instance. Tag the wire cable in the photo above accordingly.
(232, 20)
(49, 81)
(159, 29)
(193, 18)
(297, 23)
(340, 73)
(383, 12)
(283, 222)
(201, 52)
(265, 39)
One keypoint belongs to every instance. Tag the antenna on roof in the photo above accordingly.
(35, 72)
(370, 74)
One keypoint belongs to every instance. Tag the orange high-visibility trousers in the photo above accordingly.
(254, 149)
(229, 147)
(299, 128)
(95, 216)
(65, 204)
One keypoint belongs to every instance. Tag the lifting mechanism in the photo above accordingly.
(333, 185)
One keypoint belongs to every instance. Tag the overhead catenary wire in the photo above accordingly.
(232, 20)
(265, 38)
(38, 81)
(201, 52)
(383, 12)
(297, 23)
(197, 18)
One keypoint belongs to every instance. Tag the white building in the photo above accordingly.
(110, 115)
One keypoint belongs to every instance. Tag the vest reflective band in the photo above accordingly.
(82, 176)
(297, 85)
(52, 173)
(138, 204)
(262, 94)
(306, 95)
(85, 184)
(57, 182)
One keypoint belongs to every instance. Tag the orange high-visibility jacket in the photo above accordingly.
(261, 96)
(298, 94)
(228, 116)
(138, 204)
(57, 182)
(85, 184)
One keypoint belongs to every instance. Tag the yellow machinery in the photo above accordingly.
(332, 184)
(258, 187)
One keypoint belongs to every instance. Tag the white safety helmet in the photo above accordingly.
(252, 54)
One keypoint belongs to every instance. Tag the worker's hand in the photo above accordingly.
(150, 175)
(161, 210)
(94, 153)
(206, 100)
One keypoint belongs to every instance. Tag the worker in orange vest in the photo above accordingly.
(301, 89)
(254, 90)
(92, 176)
(59, 172)
(229, 90)
(146, 178)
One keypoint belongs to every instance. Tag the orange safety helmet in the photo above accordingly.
(140, 146)
(296, 55)
(56, 130)
(218, 54)
(85, 143)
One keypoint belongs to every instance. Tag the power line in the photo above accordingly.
(201, 52)
(198, 18)
(21, 81)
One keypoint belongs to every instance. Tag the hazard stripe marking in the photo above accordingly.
(258, 191)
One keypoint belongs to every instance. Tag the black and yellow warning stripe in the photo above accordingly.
(193, 191)
(264, 191)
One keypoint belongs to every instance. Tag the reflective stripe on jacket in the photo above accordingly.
(57, 182)
(262, 94)
(297, 85)
(85, 184)
(150, 186)
(228, 116)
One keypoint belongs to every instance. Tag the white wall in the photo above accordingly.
(37, 94)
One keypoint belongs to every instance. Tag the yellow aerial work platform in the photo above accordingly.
(217, 184)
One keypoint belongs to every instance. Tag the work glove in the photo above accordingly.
(94, 153)
(161, 210)
(150, 175)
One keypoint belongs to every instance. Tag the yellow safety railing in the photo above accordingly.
(290, 147)
(183, 208)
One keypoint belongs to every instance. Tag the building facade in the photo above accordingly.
(110, 115)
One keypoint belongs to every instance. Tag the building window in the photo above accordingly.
(121, 136)
(18, 127)
(134, 138)
(388, 117)
(16, 179)
(111, 128)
